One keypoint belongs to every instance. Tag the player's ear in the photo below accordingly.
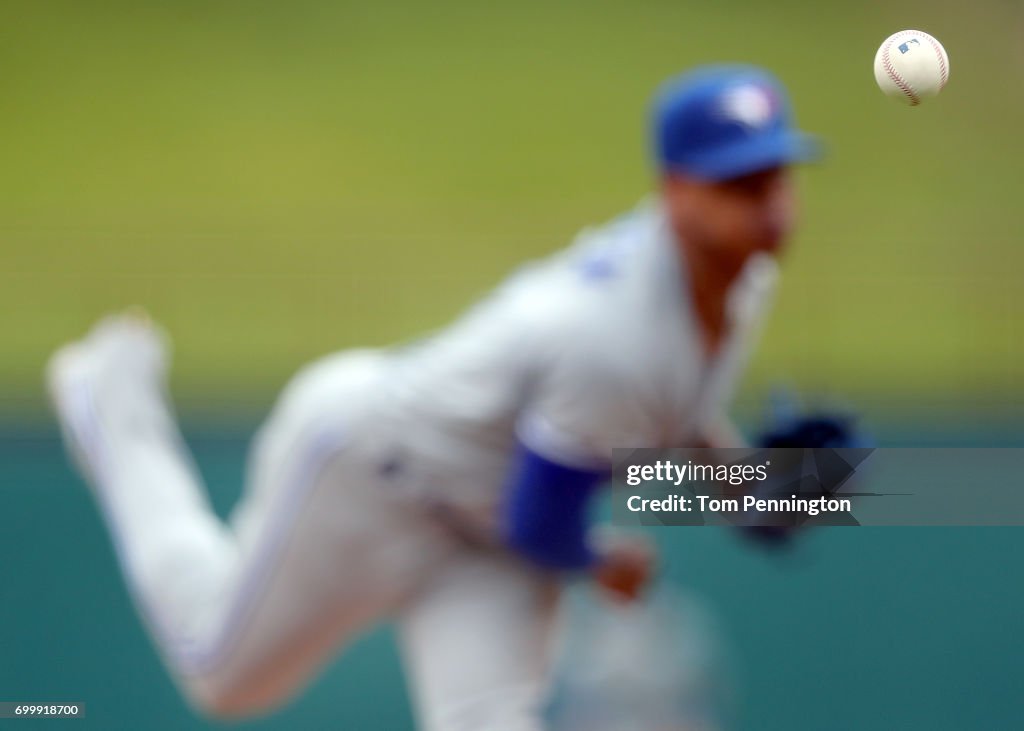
(677, 191)
(673, 188)
(671, 180)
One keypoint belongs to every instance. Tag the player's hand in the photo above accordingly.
(626, 568)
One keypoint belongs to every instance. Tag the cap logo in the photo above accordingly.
(751, 105)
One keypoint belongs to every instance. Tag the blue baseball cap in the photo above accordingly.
(722, 122)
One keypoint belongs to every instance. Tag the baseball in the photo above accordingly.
(911, 66)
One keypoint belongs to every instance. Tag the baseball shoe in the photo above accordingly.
(109, 383)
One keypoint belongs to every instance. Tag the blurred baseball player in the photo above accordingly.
(444, 486)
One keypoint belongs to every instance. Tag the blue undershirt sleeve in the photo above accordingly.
(544, 515)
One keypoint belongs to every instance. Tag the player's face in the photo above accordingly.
(737, 217)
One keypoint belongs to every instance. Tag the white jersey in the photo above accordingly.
(594, 348)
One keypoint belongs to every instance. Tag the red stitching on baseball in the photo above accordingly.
(896, 78)
(943, 71)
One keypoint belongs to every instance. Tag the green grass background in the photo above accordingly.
(278, 180)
